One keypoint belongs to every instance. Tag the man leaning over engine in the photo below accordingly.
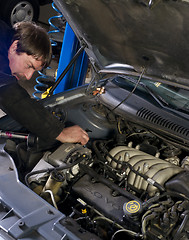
(24, 49)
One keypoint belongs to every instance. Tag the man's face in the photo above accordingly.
(22, 65)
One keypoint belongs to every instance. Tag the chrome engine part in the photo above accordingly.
(154, 168)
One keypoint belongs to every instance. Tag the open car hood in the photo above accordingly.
(132, 35)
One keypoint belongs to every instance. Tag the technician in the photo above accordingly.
(24, 49)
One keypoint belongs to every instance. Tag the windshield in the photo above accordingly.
(170, 96)
(173, 96)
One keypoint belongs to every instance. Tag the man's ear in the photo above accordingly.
(13, 46)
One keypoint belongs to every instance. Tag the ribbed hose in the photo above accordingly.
(45, 81)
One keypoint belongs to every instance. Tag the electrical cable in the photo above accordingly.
(148, 179)
(182, 226)
(168, 193)
(131, 233)
(108, 183)
(130, 94)
(59, 168)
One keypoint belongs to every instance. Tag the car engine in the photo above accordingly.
(128, 182)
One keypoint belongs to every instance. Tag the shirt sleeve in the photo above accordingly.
(31, 114)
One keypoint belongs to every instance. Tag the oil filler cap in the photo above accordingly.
(132, 208)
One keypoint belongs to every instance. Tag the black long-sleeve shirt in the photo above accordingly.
(16, 102)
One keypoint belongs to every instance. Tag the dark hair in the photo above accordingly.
(33, 40)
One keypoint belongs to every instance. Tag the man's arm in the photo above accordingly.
(16, 102)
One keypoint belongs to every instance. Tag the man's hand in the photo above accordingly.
(73, 134)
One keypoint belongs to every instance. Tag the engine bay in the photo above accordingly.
(127, 182)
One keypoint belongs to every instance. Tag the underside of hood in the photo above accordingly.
(138, 33)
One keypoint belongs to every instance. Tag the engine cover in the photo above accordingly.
(100, 196)
(179, 183)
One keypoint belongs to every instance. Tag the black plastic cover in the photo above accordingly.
(179, 183)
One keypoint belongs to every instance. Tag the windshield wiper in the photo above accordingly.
(158, 98)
